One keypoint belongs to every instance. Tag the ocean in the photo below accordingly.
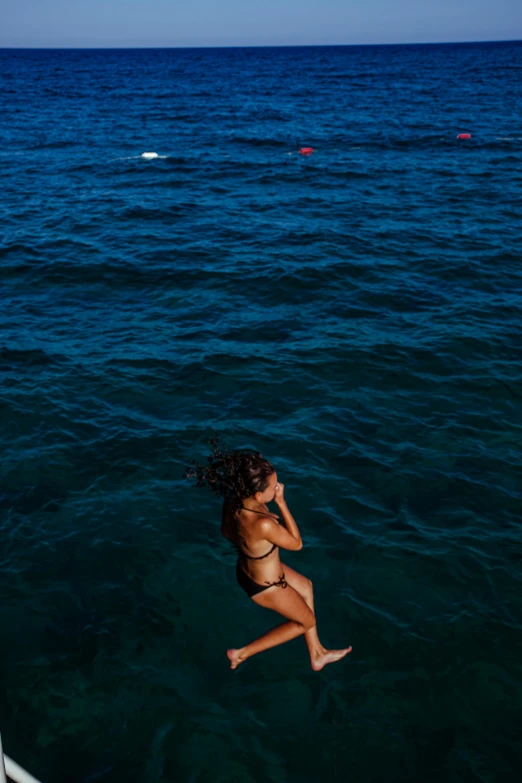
(355, 315)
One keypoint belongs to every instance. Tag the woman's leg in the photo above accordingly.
(305, 588)
(290, 604)
(287, 602)
(319, 655)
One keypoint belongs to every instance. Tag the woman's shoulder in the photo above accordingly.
(261, 514)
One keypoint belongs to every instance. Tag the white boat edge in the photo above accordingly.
(13, 770)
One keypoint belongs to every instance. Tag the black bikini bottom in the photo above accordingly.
(250, 587)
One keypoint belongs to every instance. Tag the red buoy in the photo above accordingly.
(464, 136)
(306, 150)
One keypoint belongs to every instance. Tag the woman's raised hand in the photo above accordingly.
(279, 495)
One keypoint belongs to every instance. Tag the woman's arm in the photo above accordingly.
(289, 538)
(271, 531)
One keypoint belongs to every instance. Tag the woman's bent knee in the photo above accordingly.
(308, 623)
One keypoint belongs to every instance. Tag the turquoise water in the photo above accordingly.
(354, 315)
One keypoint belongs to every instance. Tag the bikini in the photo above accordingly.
(249, 586)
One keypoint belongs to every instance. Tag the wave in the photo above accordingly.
(31, 357)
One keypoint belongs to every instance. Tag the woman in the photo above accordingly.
(247, 482)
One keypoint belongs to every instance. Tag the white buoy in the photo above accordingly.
(149, 155)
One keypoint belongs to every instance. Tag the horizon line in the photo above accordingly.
(257, 46)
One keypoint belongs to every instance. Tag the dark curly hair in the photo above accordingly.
(234, 476)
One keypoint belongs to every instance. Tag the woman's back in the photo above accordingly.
(240, 527)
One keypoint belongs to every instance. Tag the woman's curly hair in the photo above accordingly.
(234, 476)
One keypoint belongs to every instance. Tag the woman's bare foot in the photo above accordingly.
(329, 656)
(235, 657)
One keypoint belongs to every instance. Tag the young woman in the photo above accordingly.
(247, 482)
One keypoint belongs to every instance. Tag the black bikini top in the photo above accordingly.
(261, 557)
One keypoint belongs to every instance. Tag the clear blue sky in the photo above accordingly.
(100, 23)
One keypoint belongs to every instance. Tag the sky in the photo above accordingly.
(159, 23)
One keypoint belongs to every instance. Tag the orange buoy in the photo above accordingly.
(464, 136)
(306, 150)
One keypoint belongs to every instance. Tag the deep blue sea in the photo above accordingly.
(355, 315)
